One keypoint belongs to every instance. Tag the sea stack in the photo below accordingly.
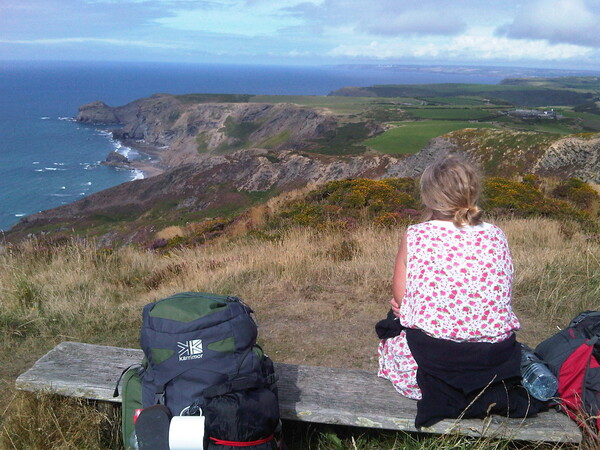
(97, 112)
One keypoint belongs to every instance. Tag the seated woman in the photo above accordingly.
(456, 352)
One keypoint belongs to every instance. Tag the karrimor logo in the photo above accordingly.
(190, 350)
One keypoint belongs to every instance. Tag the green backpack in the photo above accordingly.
(131, 397)
(197, 345)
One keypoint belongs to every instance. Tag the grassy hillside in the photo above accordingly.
(328, 285)
(312, 263)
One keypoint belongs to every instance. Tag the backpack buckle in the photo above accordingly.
(159, 398)
(271, 379)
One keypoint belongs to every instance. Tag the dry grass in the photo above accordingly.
(557, 274)
(53, 422)
(170, 233)
(317, 295)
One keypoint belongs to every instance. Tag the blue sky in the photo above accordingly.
(535, 33)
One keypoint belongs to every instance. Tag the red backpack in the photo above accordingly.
(573, 355)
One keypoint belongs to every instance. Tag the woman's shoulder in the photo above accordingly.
(493, 228)
(422, 227)
(444, 226)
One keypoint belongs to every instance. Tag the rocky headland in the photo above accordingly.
(179, 131)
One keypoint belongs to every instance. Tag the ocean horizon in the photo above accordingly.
(47, 159)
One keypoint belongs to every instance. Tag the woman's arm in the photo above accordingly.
(399, 282)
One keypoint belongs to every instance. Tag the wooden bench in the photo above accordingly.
(309, 394)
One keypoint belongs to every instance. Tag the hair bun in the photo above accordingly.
(467, 215)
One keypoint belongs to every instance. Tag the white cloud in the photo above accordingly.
(313, 30)
(557, 21)
(471, 46)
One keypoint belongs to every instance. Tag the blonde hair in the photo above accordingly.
(450, 189)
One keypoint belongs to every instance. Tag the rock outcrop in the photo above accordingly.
(572, 157)
(511, 153)
(97, 112)
(115, 159)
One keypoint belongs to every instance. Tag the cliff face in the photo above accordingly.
(213, 179)
(572, 157)
(509, 153)
(185, 131)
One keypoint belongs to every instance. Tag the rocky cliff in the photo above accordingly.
(511, 153)
(214, 181)
(184, 131)
(572, 157)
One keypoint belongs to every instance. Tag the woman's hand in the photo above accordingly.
(395, 307)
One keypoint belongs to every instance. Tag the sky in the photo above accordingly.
(528, 33)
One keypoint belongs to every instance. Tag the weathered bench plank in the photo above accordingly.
(310, 394)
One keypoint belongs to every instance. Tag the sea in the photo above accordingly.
(47, 159)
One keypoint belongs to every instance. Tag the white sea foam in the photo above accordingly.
(35, 162)
(38, 170)
(52, 169)
(137, 174)
(59, 164)
(69, 119)
(61, 195)
(44, 118)
(127, 152)
(89, 183)
(20, 215)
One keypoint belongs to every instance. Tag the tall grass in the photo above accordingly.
(317, 295)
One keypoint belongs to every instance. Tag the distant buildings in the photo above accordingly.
(533, 114)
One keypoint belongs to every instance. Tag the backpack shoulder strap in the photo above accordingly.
(116, 391)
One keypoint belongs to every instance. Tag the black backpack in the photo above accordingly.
(201, 357)
(573, 356)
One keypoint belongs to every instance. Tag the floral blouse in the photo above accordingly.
(459, 281)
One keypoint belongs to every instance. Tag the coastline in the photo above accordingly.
(149, 167)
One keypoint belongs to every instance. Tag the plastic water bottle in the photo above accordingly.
(536, 377)
(133, 442)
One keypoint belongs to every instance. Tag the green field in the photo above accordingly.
(552, 127)
(462, 100)
(589, 121)
(339, 105)
(410, 137)
(451, 113)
